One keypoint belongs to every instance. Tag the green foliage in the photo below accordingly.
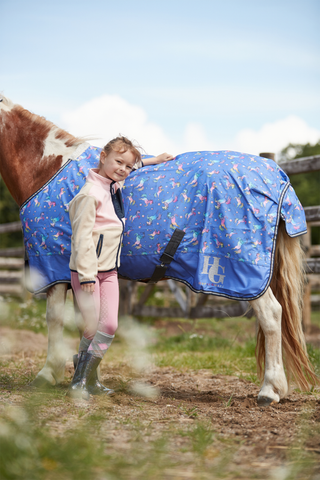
(9, 212)
(295, 150)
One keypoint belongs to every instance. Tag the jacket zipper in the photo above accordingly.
(117, 258)
(99, 245)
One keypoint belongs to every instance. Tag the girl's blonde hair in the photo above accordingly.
(122, 144)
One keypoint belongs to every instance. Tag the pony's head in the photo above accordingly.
(5, 103)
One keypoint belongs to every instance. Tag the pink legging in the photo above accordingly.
(100, 308)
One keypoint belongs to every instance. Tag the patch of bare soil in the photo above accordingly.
(264, 435)
(16, 342)
(230, 404)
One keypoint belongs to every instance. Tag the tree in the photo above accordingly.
(9, 212)
(306, 185)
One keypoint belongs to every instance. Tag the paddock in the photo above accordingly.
(189, 411)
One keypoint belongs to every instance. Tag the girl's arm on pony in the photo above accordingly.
(164, 157)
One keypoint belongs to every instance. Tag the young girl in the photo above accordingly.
(96, 215)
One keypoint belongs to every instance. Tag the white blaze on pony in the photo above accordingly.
(32, 150)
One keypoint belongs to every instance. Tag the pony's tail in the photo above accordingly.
(287, 285)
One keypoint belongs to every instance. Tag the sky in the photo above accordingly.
(174, 76)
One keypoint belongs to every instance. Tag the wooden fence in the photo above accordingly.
(176, 299)
(294, 167)
(11, 265)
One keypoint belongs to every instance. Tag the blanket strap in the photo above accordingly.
(167, 256)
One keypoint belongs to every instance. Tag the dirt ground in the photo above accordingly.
(265, 435)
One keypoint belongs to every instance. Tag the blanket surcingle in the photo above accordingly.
(228, 204)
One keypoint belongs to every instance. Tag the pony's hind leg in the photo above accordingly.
(53, 371)
(268, 311)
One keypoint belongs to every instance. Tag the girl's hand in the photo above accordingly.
(164, 157)
(88, 287)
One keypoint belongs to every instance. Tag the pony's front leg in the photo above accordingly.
(268, 312)
(78, 317)
(53, 371)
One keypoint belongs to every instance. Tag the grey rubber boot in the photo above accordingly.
(94, 387)
(86, 368)
(75, 387)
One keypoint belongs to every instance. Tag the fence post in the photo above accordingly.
(306, 312)
(127, 290)
(270, 155)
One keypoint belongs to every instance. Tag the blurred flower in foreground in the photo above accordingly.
(138, 337)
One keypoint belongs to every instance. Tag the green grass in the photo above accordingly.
(200, 351)
(29, 452)
(314, 355)
(32, 452)
(315, 318)
(192, 343)
(30, 314)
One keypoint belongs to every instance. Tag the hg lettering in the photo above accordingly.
(213, 271)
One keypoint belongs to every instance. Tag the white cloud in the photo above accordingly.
(273, 137)
(105, 117)
(195, 138)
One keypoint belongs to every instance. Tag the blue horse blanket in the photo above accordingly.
(228, 204)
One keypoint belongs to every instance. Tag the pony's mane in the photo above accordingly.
(60, 134)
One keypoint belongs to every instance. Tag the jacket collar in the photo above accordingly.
(94, 177)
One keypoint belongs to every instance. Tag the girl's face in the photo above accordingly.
(116, 166)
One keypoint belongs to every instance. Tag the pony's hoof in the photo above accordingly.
(41, 382)
(78, 393)
(265, 401)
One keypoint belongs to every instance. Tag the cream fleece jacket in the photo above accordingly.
(96, 229)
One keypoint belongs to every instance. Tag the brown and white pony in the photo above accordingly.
(33, 149)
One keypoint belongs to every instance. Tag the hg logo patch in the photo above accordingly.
(212, 270)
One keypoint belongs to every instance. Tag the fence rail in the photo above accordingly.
(301, 165)
(10, 227)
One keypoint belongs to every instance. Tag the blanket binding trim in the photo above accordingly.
(47, 183)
